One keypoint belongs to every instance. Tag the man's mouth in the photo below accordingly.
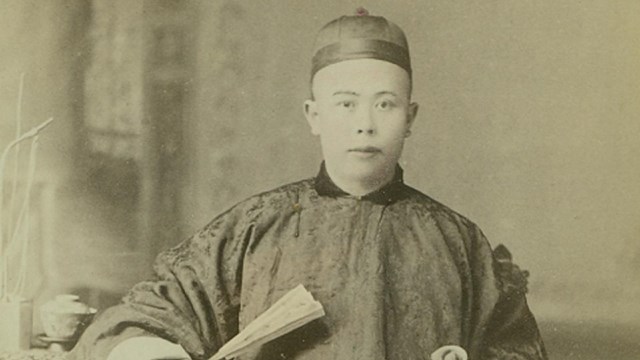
(368, 150)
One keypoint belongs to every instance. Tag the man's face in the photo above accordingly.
(362, 113)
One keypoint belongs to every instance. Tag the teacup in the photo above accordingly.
(65, 317)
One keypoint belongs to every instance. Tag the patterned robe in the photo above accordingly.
(398, 273)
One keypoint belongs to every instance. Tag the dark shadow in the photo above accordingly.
(295, 343)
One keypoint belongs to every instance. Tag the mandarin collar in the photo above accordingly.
(387, 194)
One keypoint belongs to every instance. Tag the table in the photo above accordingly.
(34, 354)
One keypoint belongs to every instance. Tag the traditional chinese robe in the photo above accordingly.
(398, 273)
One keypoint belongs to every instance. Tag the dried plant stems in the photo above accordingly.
(23, 218)
(16, 163)
(25, 214)
(3, 159)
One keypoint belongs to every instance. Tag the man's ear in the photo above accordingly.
(311, 113)
(411, 115)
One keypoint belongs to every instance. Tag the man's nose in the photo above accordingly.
(365, 123)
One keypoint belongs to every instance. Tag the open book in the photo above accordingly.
(293, 310)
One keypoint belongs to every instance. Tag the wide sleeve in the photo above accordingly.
(505, 328)
(193, 299)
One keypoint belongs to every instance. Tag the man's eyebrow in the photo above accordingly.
(345, 92)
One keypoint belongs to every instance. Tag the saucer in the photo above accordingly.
(57, 344)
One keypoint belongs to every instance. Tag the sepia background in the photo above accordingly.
(167, 112)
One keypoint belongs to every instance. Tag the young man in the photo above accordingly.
(400, 275)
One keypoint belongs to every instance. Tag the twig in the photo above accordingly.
(16, 163)
(22, 272)
(29, 134)
(24, 217)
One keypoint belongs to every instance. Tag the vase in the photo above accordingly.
(15, 324)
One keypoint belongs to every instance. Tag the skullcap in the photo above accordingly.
(361, 36)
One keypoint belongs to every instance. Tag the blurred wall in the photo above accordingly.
(528, 125)
(41, 40)
(80, 249)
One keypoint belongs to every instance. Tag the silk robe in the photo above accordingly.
(398, 273)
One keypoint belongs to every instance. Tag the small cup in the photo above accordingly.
(65, 317)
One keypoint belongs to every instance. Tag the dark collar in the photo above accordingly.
(391, 192)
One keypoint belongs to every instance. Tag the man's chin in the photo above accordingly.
(366, 172)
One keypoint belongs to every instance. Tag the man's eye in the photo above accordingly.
(346, 104)
(385, 105)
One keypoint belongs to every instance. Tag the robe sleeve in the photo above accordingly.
(193, 299)
(505, 328)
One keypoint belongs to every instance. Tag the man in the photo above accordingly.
(400, 275)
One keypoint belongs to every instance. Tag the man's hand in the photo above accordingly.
(449, 352)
